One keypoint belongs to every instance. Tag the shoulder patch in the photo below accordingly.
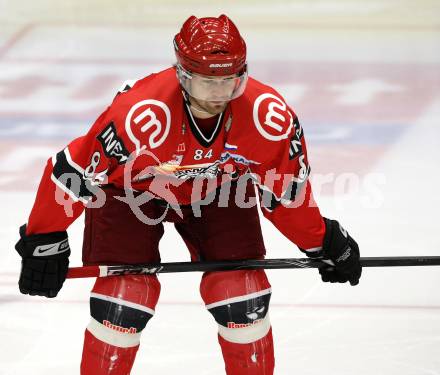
(295, 148)
(112, 144)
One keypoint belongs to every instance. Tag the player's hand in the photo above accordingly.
(342, 252)
(45, 261)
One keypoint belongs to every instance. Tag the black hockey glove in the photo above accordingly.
(45, 261)
(341, 252)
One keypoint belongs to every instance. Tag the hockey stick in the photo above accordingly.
(231, 265)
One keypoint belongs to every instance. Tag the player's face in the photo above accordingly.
(212, 107)
(217, 88)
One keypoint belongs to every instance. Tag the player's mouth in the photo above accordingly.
(217, 103)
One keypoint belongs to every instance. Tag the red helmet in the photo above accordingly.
(210, 46)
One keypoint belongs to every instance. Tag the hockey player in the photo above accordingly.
(196, 138)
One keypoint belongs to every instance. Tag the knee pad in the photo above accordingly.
(239, 302)
(121, 306)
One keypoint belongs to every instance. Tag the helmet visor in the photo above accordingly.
(212, 88)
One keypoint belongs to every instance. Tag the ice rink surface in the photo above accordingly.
(364, 79)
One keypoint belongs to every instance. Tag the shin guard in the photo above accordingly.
(120, 308)
(239, 302)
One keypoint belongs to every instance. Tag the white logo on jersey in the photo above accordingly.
(272, 128)
(145, 120)
(90, 171)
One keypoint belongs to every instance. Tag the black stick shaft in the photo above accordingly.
(247, 264)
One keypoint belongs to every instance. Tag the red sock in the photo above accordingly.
(100, 358)
(255, 358)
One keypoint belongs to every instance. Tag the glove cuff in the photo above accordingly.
(335, 239)
(314, 254)
(46, 245)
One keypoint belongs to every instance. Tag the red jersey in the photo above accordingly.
(147, 140)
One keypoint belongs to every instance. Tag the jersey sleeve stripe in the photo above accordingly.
(69, 176)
